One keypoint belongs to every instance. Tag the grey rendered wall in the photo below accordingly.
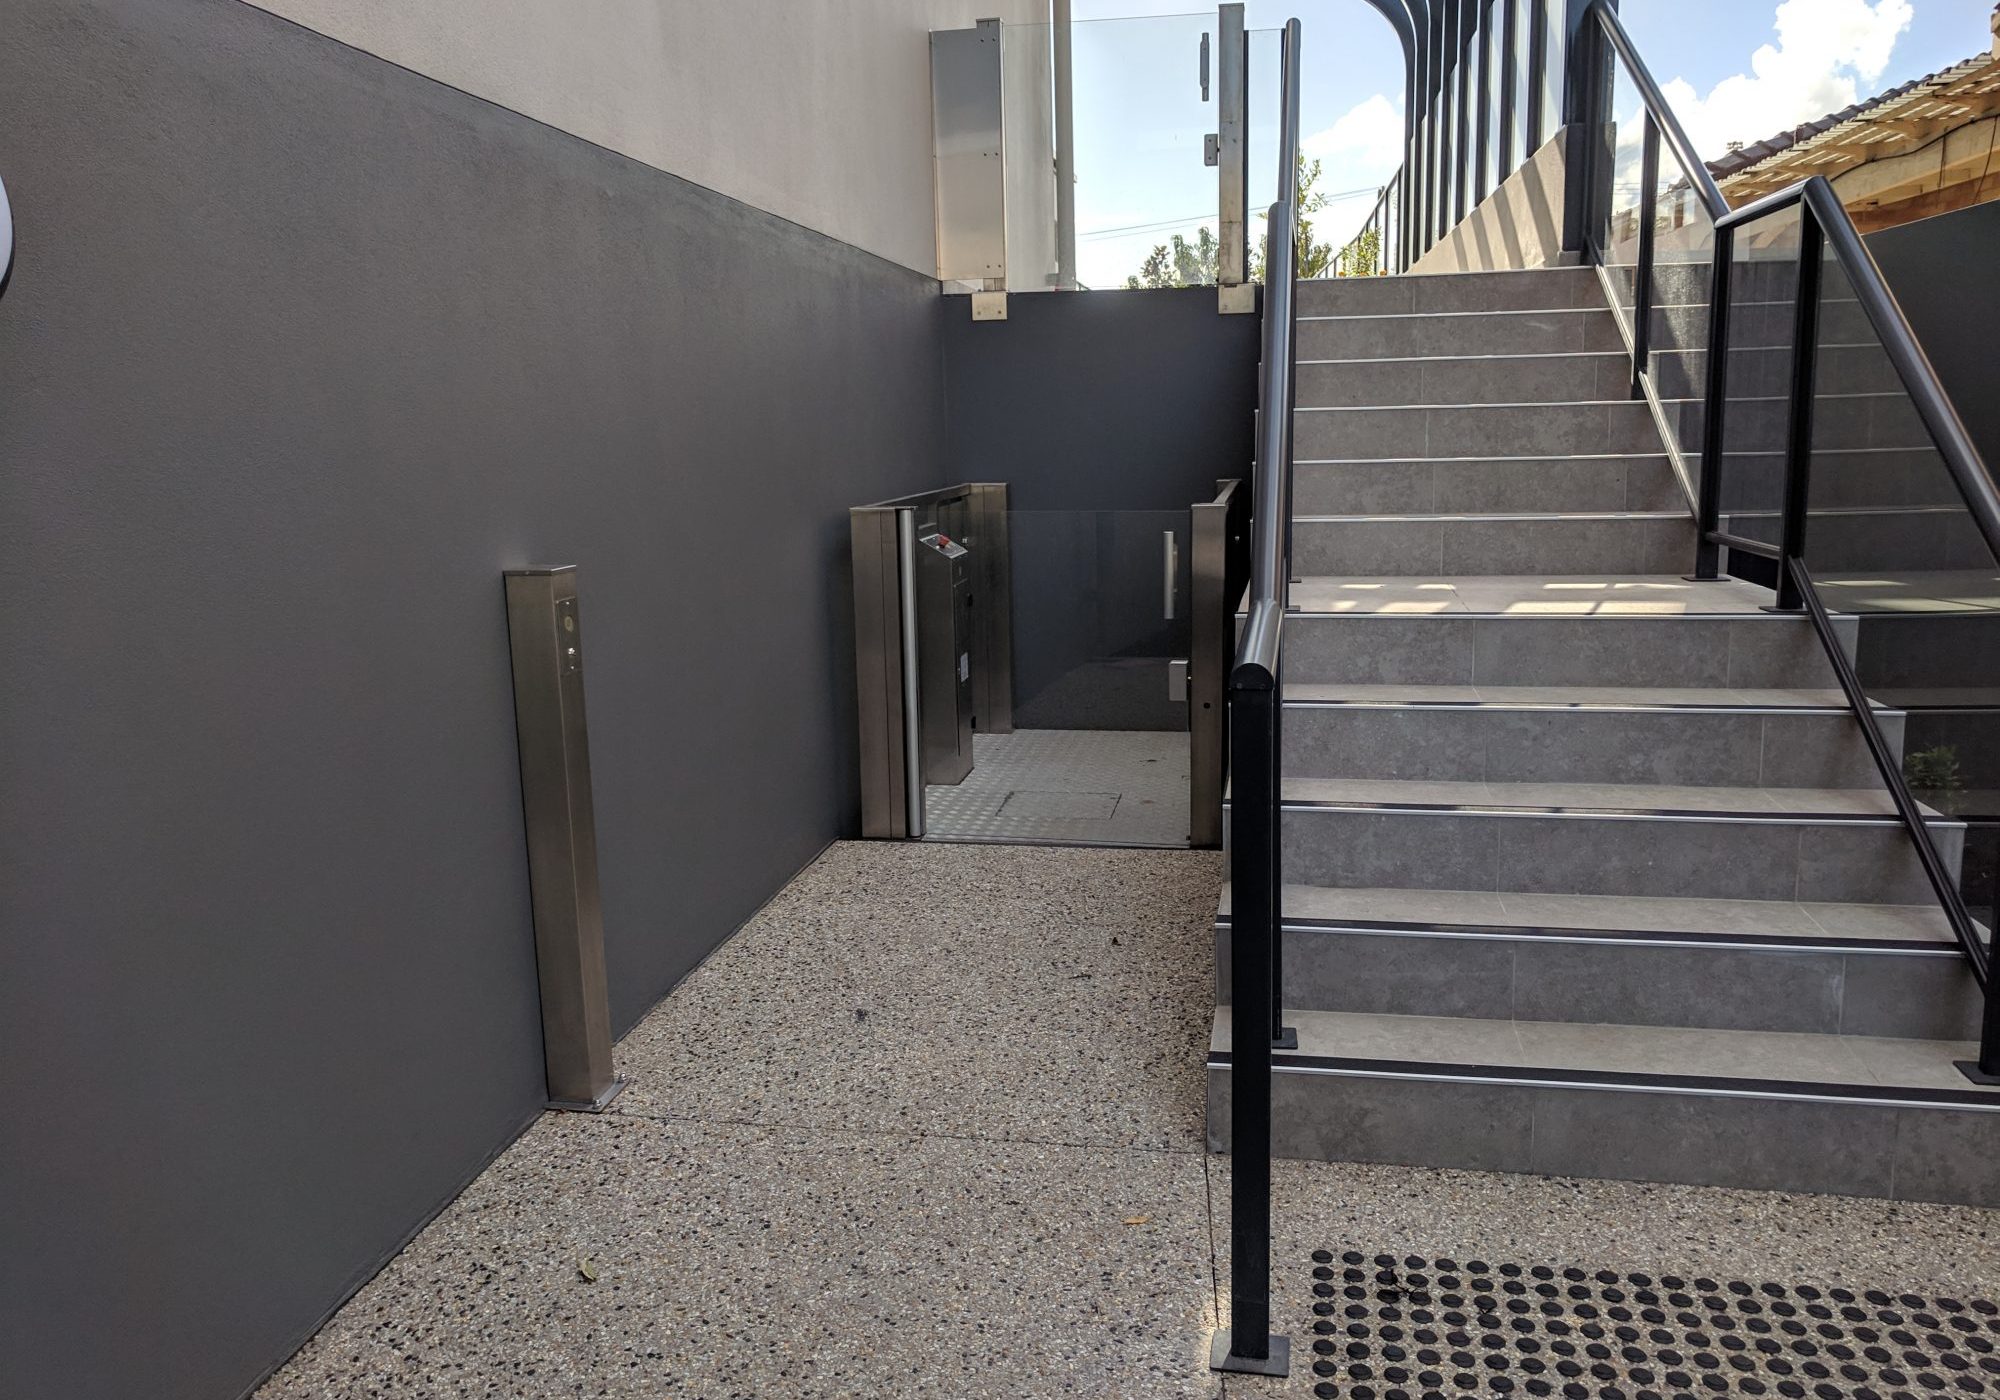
(301, 351)
(1130, 401)
(1944, 272)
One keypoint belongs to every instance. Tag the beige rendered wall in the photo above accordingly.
(818, 112)
(1519, 225)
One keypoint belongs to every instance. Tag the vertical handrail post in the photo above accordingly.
(1715, 391)
(1247, 1344)
(1642, 275)
(1799, 427)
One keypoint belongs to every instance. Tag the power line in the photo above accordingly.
(1160, 225)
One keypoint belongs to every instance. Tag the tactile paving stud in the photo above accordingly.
(1415, 1328)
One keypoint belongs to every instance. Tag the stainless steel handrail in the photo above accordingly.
(1270, 540)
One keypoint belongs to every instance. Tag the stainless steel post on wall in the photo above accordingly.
(546, 636)
(1065, 111)
(1234, 293)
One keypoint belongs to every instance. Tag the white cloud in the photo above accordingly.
(1827, 50)
(1361, 151)
(1367, 141)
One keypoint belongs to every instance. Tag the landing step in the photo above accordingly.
(1609, 738)
(1618, 699)
(1816, 846)
(1647, 800)
(1832, 969)
(1591, 595)
(1747, 923)
(1758, 1109)
(1421, 545)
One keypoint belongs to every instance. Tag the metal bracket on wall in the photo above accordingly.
(545, 632)
(989, 306)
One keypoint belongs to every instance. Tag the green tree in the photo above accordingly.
(1363, 256)
(1179, 263)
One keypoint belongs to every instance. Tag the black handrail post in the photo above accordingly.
(1986, 1069)
(1708, 506)
(1799, 430)
(1247, 1345)
(1642, 275)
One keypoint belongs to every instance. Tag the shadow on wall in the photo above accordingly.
(1518, 226)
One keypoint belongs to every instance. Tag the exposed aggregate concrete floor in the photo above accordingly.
(930, 1126)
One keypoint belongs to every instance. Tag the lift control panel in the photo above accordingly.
(944, 655)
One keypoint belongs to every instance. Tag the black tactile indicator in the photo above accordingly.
(1389, 1327)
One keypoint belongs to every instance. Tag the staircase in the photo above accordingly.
(1587, 868)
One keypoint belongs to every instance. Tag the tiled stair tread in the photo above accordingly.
(1915, 924)
(1603, 355)
(1851, 1062)
(1591, 797)
(1456, 315)
(1502, 515)
(1582, 595)
(1566, 697)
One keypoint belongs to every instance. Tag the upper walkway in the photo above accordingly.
(931, 1125)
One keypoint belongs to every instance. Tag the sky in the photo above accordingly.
(1733, 70)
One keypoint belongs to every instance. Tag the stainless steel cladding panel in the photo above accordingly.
(546, 633)
(971, 169)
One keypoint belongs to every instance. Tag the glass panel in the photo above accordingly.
(1146, 200)
(1267, 76)
(1621, 154)
(1683, 280)
(1894, 550)
(1099, 751)
(1763, 291)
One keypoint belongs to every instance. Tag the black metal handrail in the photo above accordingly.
(1255, 708)
(1823, 224)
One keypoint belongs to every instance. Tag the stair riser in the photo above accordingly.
(1757, 323)
(1554, 289)
(1476, 380)
(1839, 421)
(1767, 371)
(1528, 333)
(1925, 1154)
(1510, 430)
(1487, 486)
(1685, 279)
(1531, 853)
(1734, 653)
(1688, 748)
(1885, 542)
(1902, 996)
(1756, 480)
(1459, 547)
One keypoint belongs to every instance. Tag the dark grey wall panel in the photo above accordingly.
(1131, 401)
(301, 351)
(1111, 401)
(1944, 273)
